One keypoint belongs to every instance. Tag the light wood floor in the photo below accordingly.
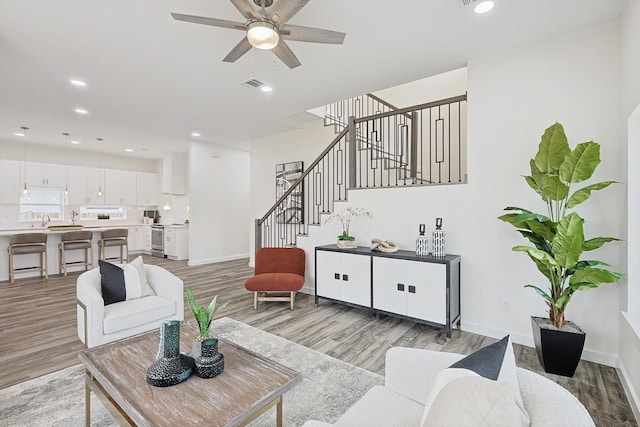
(38, 332)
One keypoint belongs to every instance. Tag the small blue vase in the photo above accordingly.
(210, 363)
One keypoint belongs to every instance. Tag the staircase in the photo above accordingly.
(376, 146)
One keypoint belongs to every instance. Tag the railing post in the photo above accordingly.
(257, 230)
(353, 150)
(413, 151)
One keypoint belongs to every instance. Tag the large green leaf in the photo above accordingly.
(556, 189)
(538, 241)
(540, 292)
(580, 163)
(543, 268)
(552, 150)
(584, 193)
(538, 254)
(595, 276)
(510, 217)
(537, 179)
(546, 229)
(597, 242)
(567, 244)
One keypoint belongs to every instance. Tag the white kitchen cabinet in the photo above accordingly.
(84, 184)
(46, 175)
(10, 182)
(119, 187)
(147, 189)
(174, 173)
(146, 243)
(344, 277)
(424, 289)
(176, 242)
(410, 288)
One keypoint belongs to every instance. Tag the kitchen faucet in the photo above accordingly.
(45, 219)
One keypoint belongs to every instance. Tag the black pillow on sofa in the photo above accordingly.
(112, 283)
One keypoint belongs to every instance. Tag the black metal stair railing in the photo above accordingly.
(420, 145)
(324, 182)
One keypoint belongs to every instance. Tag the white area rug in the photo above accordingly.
(328, 388)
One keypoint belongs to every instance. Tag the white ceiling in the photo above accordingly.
(152, 80)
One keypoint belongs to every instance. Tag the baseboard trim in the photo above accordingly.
(632, 396)
(194, 262)
(526, 340)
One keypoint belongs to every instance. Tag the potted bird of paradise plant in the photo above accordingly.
(558, 243)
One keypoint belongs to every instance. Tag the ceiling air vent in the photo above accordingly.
(464, 3)
(252, 83)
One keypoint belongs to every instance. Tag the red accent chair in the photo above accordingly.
(278, 270)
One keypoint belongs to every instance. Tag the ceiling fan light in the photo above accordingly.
(262, 35)
(484, 7)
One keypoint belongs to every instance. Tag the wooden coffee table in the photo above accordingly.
(249, 386)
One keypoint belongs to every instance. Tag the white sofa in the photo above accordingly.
(409, 375)
(126, 318)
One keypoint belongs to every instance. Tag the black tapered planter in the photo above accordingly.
(559, 350)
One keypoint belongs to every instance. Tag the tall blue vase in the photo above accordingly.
(170, 367)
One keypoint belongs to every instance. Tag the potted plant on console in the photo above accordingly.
(345, 240)
(558, 243)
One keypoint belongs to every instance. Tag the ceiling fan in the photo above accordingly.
(268, 28)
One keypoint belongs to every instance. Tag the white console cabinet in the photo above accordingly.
(410, 288)
(423, 289)
(344, 277)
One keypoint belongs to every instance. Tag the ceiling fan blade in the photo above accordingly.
(245, 8)
(210, 21)
(240, 49)
(310, 34)
(286, 55)
(284, 10)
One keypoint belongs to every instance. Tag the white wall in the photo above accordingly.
(219, 203)
(629, 343)
(513, 97)
(445, 85)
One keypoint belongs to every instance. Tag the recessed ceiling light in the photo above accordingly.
(484, 7)
(78, 83)
(129, 150)
(196, 134)
(81, 111)
(266, 88)
(22, 132)
(75, 142)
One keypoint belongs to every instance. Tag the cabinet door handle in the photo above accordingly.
(401, 287)
(336, 276)
(412, 289)
(345, 277)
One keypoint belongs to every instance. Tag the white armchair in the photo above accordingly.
(126, 318)
(409, 375)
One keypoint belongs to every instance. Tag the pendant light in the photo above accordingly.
(25, 190)
(99, 193)
(66, 159)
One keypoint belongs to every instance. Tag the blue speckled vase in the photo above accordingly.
(171, 367)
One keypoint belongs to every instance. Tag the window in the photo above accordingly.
(42, 202)
(102, 212)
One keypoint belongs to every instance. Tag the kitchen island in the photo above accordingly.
(53, 239)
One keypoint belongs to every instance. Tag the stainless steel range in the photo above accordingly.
(157, 241)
